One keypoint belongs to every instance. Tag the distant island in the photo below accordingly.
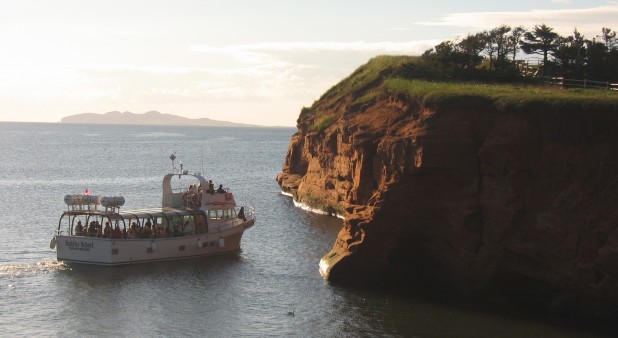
(148, 118)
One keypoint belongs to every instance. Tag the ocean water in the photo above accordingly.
(244, 294)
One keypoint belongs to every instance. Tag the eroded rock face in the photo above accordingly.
(515, 205)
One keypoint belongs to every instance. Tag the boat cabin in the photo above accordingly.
(185, 210)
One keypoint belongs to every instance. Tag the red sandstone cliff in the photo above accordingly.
(506, 204)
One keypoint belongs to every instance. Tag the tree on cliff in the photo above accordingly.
(496, 42)
(451, 58)
(610, 59)
(577, 57)
(570, 54)
(609, 37)
(573, 56)
(541, 40)
(471, 47)
(514, 40)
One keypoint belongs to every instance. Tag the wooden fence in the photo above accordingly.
(585, 83)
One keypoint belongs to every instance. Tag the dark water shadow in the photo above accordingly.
(431, 312)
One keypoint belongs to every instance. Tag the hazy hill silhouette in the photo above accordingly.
(148, 118)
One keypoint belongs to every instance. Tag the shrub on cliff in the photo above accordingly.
(322, 124)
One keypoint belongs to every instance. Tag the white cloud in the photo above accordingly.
(313, 46)
(562, 1)
(588, 21)
(269, 51)
(270, 80)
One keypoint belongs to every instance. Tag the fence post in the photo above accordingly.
(585, 82)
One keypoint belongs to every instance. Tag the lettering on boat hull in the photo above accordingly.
(78, 246)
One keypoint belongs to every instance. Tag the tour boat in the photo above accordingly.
(193, 221)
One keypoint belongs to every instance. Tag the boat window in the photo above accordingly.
(219, 214)
(201, 224)
(228, 213)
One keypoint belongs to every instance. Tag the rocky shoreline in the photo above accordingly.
(502, 205)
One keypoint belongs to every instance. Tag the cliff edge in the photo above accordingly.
(500, 192)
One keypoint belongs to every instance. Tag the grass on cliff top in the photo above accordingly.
(378, 68)
(386, 74)
(500, 96)
(368, 75)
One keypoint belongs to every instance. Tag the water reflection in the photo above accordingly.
(189, 268)
(158, 297)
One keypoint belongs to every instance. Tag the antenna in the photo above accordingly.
(202, 158)
(173, 157)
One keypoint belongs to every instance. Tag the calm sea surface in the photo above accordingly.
(244, 294)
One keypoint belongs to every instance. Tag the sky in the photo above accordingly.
(247, 61)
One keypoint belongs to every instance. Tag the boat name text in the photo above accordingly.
(81, 246)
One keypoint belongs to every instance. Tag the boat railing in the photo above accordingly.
(249, 214)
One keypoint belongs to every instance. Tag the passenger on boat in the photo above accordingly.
(176, 230)
(79, 229)
(117, 234)
(186, 198)
(211, 187)
(146, 232)
(188, 228)
(156, 232)
(125, 235)
(97, 225)
(107, 231)
(92, 229)
(241, 214)
(133, 231)
(220, 189)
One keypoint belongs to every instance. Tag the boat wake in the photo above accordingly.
(22, 270)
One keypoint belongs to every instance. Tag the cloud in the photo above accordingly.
(266, 52)
(308, 46)
(588, 21)
(299, 70)
(562, 1)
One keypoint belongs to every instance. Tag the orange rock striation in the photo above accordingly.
(505, 205)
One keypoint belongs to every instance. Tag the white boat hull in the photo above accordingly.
(106, 251)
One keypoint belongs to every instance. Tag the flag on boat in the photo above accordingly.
(87, 192)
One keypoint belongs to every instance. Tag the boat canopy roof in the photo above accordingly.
(137, 213)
